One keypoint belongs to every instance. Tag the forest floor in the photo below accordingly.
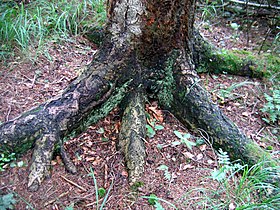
(26, 82)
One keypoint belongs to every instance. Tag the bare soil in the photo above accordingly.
(24, 84)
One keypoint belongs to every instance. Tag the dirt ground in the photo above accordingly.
(25, 83)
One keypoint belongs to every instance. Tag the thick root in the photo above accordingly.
(69, 165)
(196, 110)
(41, 161)
(132, 133)
(40, 166)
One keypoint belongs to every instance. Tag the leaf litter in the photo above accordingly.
(186, 168)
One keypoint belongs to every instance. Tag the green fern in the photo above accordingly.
(272, 107)
(226, 167)
(7, 201)
(167, 174)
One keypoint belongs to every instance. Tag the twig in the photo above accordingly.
(73, 183)
(9, 111)
(265, 6)
(266, 36)
(54, 200)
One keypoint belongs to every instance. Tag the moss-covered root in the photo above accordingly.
(133, 131)
(195, 109)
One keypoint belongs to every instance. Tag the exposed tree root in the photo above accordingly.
(208, 58)
(149, 46)
(133, 131)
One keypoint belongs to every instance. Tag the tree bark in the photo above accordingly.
(149, 46)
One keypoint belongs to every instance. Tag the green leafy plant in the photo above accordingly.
(7, 201)
(183, 139)
(152, 127)
(226, 167)
(154, 201)
(167, 174)
(70, 207)
(272, 107)
(5, 159)
(240, 187)
(100, 192)
(151, 130)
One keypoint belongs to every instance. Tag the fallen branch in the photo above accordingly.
(265, 6)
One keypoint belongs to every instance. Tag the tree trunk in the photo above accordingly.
(148, 50)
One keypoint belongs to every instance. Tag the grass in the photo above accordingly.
(154, 201)
(100, 192)
(239, 187)
(27, 26)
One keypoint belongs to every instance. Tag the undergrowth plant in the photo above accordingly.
(167, 174)
(27, 26)
(183, 139)
(239, 187)
(152, 127)
(272, 107)
(5, 159)
(155, 201)
(100, 192)
(210, 9)
(7, 201)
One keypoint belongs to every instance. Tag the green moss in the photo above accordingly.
(108, 106)
(33, 111)
(255, 154)
(240, 62)
(271, 65)
(102, 111)
(136, 185)
(167, 85)
(24, 147)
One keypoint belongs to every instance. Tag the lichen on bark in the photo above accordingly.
(148, 47)
(132, 135)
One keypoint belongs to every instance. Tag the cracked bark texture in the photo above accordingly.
(132, 134)
(148, 46)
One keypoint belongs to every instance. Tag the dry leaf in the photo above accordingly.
(202, 147)
(188, 155)
(188, 166)
(262, 144)
(53, 162)
(199, 156)
(236, 104)
(58, 159)
(210, 162)
(246, 114)
(88, 159)
(97, 161)
(156, 113)
(124, 173)
(229, 108)
(231, 206)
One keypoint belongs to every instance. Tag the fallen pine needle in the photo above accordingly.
(52, 201)
(73, 183)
